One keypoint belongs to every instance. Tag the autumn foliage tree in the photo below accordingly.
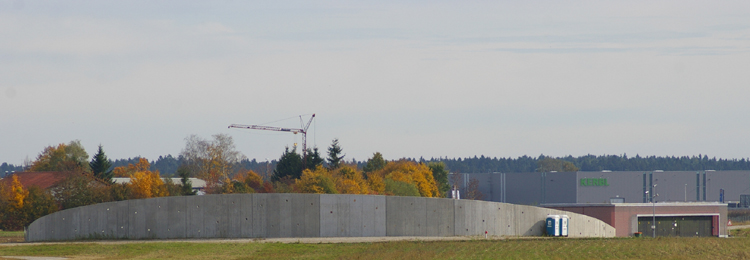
(20, 206)
(63, 157)
(349, 180)
(143, 182)
(417, 174)
(212, 160)
(318, 181)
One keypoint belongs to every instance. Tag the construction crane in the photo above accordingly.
(302, 130)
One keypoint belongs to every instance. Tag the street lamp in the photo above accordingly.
(653, 220)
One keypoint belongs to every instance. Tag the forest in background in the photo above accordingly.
(168, 165)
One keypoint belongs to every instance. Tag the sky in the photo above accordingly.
(403, 78)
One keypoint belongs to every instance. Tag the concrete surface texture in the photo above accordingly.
(301, 215)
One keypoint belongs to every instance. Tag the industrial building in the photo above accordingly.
(535, 188)
(624, 199)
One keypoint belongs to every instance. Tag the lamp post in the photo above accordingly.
(653, 208)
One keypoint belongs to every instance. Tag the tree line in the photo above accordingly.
(168, 165)
(220, 165)
(590, 162)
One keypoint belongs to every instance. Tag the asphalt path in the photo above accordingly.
(306, 240)
(738, 227)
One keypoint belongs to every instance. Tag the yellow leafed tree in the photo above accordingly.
(319, 181)
(349, 180)
(17, 193)
(376, 183)
(145, 183)
(415, 173)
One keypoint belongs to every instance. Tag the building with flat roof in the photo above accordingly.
(534, 188)
(690, 201)
(672, 218)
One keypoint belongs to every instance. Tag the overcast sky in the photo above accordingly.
(405, 78)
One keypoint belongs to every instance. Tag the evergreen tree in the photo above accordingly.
(313, 159)
(187, 185)
(289, 166)
(101, 166)
(375, 163)
(334, 155)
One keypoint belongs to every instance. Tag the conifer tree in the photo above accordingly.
(313, 159)
(289, 165)
(187, 185)
(375, 163)
(334, 155)
(100, 166)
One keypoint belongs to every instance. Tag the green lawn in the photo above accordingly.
(565, 248)
(11, 236)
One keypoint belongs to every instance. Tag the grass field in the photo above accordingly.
(566, 248)
(11, 236)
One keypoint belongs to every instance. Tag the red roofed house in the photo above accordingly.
(43, 180)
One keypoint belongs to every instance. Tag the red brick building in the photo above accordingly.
(672, 218)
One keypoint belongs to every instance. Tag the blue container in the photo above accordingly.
(553, 225)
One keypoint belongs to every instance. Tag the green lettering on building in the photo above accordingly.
(594, 182)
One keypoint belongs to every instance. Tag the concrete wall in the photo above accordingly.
(301, 215)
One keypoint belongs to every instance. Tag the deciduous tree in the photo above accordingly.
(440, 174)
(350, 181)
(415, 173)
(147, 184)
(319, 181)
(63, 157)
(143, 182)
(472, 191)
(400, 188)
(213, 161)
(548, 164)
(77, 190)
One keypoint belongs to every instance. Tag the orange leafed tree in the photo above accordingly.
(141, 166)
(143, 182)
(251, 178)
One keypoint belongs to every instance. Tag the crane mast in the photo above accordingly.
(303, 129)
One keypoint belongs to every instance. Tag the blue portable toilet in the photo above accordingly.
(553, 225)
(564, 220)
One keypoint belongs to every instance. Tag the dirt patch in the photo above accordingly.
(11, 240)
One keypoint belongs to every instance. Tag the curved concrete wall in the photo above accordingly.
(301, 215)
